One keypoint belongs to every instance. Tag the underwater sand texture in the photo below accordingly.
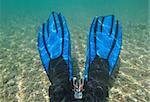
(23, 79)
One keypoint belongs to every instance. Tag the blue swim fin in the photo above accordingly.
(54, 46)
(104, 42)
(103, 48)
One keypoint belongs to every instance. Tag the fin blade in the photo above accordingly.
(108, 42)
(103, 39)
(54, 45)
(115, 51)
(43, 53)
(67, 48)
(54, 41)
(90, 47)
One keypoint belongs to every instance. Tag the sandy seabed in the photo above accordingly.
(23, 79)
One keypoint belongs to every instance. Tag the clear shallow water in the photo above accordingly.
(22, 77)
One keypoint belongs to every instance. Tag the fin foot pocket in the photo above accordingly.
(98, 80)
